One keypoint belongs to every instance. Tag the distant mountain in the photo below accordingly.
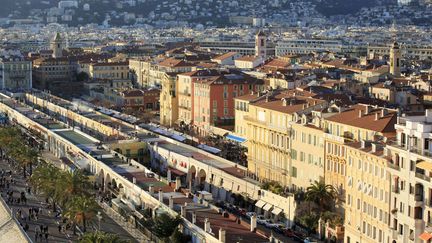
(121, 12)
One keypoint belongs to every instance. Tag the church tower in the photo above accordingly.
(57, 45)
(261, 45)
(395, 60)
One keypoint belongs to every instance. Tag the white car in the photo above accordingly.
(250, 214)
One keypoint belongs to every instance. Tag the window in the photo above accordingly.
(294, 172)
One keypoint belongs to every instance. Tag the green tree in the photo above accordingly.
(321, 194)
(101, 237)
(45, 179)
(80, 209)
(73, 183)
(165, 225)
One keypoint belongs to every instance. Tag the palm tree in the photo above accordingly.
(321, 194)
(25, 156)
(45, 179)
(80, 209)
(101, 237)
(73, 183)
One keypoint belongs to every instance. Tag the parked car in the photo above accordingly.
(279, 228)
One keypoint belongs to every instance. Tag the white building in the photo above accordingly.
(306, 46)
(411, 168)
(248, 62)
(226, 59)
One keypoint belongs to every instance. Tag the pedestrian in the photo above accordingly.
(36, 236)
(26, 227)
(59, 228)
(46, 236)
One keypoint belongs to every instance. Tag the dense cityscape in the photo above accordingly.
(216, 121)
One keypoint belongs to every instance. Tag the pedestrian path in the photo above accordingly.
(45, 216)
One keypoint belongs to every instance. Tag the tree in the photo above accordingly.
(321, 194)
(82, 76)
(80, 209)
(45, 179)
(73, 183)
(101, 237)
(309, 221)
(165, 225)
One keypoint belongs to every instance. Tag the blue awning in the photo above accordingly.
(235, 138)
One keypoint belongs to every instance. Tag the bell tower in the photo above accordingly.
(261, 45)
(395, 60)
(57, 45)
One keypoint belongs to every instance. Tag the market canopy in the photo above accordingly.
(235, 138)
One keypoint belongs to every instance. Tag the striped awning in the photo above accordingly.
(260, 204)
(425, 236)
(267, 207)
(424, 165)
(276, 211)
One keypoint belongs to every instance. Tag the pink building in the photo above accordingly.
(213, 98)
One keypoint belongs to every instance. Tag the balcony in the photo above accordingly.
(418, 197)
(184, 93)
(393, 166)
(422, 176)
(416, 150)
(280, 129)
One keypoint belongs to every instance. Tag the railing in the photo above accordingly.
(423, 177)
(419, 151)
(393, 166)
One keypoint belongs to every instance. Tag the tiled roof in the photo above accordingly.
(351, 117)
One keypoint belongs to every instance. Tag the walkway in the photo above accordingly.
(46, 217)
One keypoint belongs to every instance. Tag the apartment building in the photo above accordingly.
(411, 201)
(49, 70)
(213, 98)
(109, 70)
(15, 73)
(357, 123)
(407, 51)
(368, 193)
(282, 146)
(306, 46)
(185, 91)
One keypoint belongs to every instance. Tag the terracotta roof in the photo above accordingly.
(225, 56)
(366, 121)
(247, 58)
(296, 100)
(172, 62)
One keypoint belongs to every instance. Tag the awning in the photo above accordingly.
(176, 171)
(260, 203)
(178, 137)
(425, 236)
(276, 211)
(235, 138)
(424, 165)
(267, 207)
(209, 149)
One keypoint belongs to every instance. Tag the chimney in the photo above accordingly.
(171, 202)
(151, 189)
(363, 144)
(133, 180)
(178, 183)
(304, 106)
(207, 225)
(376, 116)
(253, 223)
(360, 113)
(384, 112)
(368, 109)
(267, 98)
(183, 210)
(160, 195)
(193, 218)
(169, 175)
(374, 147)
(222, 235)
(284, 102)
(385, 151)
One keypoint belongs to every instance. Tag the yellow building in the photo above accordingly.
(357, 123)
(134, 150)
(279, 136)
(168, 101)
(109, 70)
(368, 191)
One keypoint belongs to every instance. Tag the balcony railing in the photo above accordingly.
(423, 177)
(419, 151)
(393, 166)
(418, 197)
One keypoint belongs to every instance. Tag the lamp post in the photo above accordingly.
(99, 217)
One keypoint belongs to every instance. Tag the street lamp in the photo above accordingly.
(99, 217)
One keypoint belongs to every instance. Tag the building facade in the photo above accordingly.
(15, 73)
